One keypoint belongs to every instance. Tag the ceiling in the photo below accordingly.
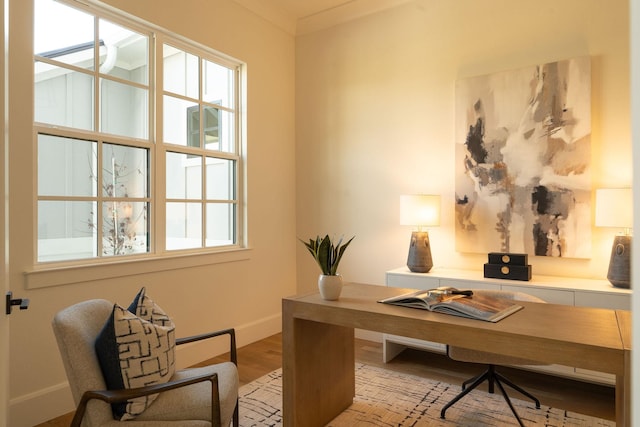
(303, 16)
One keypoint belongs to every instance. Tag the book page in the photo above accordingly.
(479, 306)
(420, 299)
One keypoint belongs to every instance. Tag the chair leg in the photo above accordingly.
(236, 415)
(478, 380)
(492, 376)
(491, 373)
(518, 388)
(472, 380)
(506, 397)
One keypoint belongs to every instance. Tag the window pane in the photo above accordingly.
(124, 52)
(63, 97)
(220, 221)
(220, 179)
(218, 84)
(95, 78)
(219, 130)
(180, 72)
(211, 128)
(179, 125)
(66, 230)
(193, 126)
(124, 228)
(73, 30)
(125, 109)
(125, 171)
(184, 226)
(66, 166)
(184, 176)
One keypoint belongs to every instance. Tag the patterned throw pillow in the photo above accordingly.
(136, 350)
(144, 307)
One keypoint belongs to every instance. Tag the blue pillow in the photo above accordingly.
(136, 350)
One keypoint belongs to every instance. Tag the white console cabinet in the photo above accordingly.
(555, 290)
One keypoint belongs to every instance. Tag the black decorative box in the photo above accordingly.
(511, 272)
(504, 258)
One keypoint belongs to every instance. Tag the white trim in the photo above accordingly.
(271, 13)
(51, 402)
(57, 275)
(46, 274)
(347, 12)
(320, 20)
(4, 213)
(635, 251)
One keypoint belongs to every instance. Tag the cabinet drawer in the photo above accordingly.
(600, 300)
(413, 282)
(469, 284)
(553, 296)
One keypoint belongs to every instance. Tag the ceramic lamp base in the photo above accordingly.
(620, 263)
(419, 259)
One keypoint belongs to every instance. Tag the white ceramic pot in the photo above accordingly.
(330, 286)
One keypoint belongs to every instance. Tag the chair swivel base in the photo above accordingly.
(492, 376)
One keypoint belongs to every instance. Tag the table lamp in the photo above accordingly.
(614, 209)
(420, 210)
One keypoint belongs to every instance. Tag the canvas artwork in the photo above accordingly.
(522, 153)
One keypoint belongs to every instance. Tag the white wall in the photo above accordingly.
(375, 118)
(374, 105)
(244, 294)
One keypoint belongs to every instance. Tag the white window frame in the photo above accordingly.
(164, 147)
(158, 258)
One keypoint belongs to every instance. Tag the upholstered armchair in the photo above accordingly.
(196, 397)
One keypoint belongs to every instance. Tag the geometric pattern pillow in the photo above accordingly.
(144, 307)
(134, 352)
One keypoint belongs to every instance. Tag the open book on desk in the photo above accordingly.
(449, 300)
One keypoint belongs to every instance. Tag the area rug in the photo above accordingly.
(387, 398)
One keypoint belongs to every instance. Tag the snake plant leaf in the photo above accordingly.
(324, 257)
(326, 253)
(340, 252)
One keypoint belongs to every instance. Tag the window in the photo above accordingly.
(128, 165)
(201, 157)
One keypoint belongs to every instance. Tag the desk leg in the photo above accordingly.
(623, 393)
(318, 362)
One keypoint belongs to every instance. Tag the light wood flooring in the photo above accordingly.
(262, 357)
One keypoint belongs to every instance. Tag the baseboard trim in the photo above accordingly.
(190, 354)
(39, 406)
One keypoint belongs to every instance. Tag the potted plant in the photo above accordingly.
(328, 255)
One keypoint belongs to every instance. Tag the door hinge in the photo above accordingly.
(10, 302)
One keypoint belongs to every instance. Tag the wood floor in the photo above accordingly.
(264, 356)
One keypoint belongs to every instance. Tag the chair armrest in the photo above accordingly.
(232, 344)
(114, 396)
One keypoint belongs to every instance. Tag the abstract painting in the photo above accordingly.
(522, 153)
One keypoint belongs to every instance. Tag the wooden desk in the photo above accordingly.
(318, 344)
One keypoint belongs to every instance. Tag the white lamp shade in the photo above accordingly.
(614, 208)
(420, 210)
